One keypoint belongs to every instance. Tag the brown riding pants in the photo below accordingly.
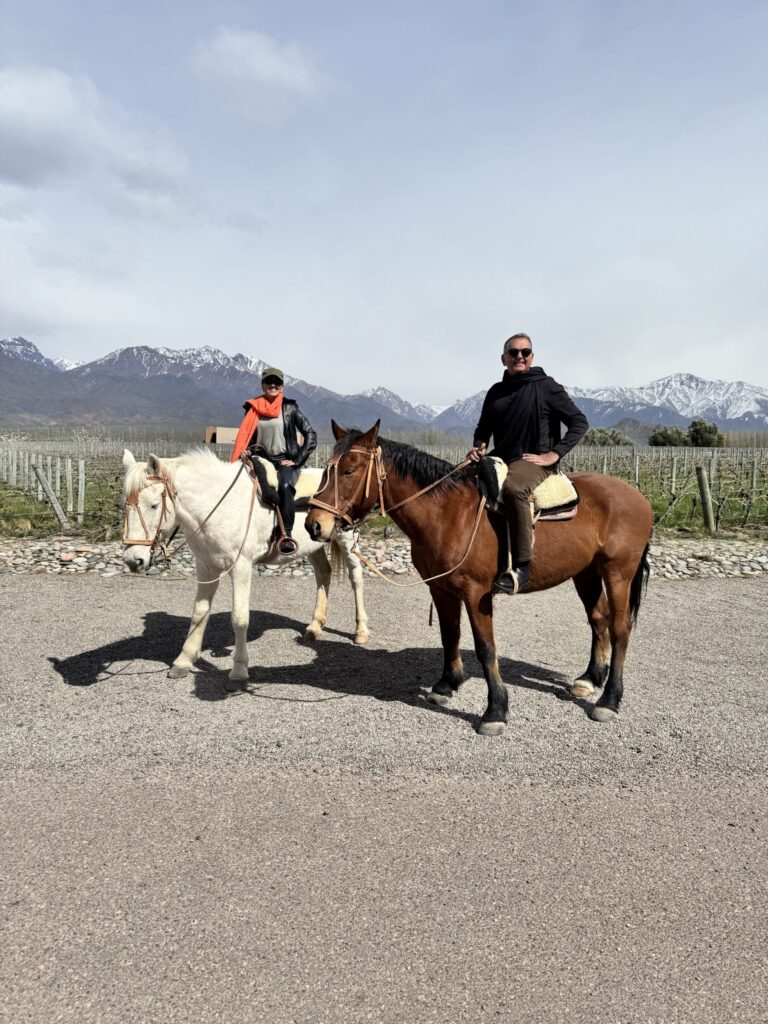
(522, 480)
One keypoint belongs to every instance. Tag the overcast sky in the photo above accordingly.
(379, 194)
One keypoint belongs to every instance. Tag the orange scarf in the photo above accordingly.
(260, 407)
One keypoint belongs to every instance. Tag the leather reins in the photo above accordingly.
(343, 514)
(169, 494)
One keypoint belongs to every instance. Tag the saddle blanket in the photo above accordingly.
(554, 498)
(306, 485)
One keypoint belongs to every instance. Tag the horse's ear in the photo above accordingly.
(369, 437)
(338, 432)
(128, 459)
(154, 466)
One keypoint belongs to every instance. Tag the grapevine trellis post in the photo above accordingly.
(706, 498)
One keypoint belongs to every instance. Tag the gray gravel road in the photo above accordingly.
(326, 847)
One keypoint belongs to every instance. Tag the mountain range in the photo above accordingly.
(188, 389)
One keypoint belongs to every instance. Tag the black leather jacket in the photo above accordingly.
(294, 423)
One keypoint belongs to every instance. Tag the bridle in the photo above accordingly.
(343, 514)
(331, 472)
(169, 496)
(132, 501)
(364, 486)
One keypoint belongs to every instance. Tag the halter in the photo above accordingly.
(132, 501)
(332, 470)
(374, 461)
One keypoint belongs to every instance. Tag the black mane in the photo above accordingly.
(419, 466)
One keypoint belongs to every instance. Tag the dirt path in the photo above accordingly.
(328, 847)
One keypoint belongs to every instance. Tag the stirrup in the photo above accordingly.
(512, 581)
(287, 545)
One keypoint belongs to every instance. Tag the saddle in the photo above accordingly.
(554, 499)
(266, 475)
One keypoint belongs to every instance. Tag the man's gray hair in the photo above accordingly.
(517, 337)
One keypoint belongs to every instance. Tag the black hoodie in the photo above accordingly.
(524, 412)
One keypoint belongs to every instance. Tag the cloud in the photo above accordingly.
(263, 78)
(57, 128)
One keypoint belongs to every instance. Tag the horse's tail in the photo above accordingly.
(639, 584)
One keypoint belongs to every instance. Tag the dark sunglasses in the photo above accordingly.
(273, 381)
(515, 352)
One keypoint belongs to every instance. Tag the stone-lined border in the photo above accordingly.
(670, 559)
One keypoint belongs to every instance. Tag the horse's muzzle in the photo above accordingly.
(137, 559)
(319, 525)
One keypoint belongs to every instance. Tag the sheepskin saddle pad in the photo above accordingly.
(306, 485)
(554, 498)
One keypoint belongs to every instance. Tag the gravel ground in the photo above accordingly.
(325, 846)
(670, 558)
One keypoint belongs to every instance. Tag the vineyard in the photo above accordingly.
(84, 474)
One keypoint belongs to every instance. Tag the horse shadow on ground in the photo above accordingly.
(340, 669)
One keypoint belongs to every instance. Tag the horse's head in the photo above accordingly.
(150, 511)
(350, 486)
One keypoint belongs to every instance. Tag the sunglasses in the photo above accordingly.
(515, 352)
(272, 382)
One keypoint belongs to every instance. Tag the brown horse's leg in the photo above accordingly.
(449, 614)
(480, 611)
(619, 623)
(589, 586)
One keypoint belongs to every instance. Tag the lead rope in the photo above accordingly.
(373, 568)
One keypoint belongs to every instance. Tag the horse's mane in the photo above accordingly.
(136, 476)
(421, 467)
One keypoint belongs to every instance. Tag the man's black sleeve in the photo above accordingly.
(484, 427)
(570, 415)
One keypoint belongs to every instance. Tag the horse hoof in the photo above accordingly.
(599, 714)
(361, 638)
(490, 728)
(440, 699)
(582, 688)
(238, 675)
(177, 672)
(311, 634)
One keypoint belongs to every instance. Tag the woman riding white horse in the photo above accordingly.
(162, 493)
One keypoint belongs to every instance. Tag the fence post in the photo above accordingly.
(57, 480)
(68, 478)
(706, 498)
(80, 490)
(673, 481)
(753, 483)
(14, 454)
(45, 486)
(637, 470)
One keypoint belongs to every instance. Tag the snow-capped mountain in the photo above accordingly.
(189, 386)
(689, 396)
(20, 348)
(463, 414)
(67, 364)
(399, 405)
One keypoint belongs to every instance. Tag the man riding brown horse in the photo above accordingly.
(523, 412)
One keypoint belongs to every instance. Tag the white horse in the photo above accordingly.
(161, 493)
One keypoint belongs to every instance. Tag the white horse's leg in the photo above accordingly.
(346, 542)
(190, 652)
(241, 614)
(322, 570)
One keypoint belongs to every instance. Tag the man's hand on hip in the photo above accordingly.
(547, 459)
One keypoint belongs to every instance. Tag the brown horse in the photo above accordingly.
(604, 550)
